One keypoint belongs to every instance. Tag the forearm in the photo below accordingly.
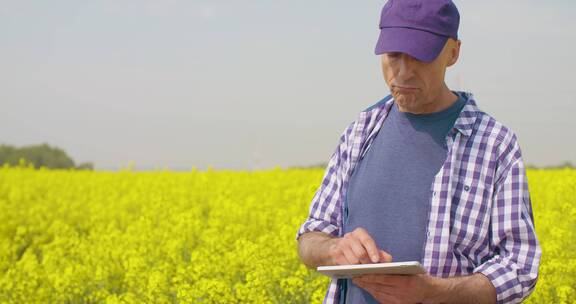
(474, 289)
(314, 248)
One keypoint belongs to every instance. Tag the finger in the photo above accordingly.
(385, 257)
(381, 295)
(379, 279)
(341, 259)
(349, 254)
(368, 243)
(359, 250)
(396, 280)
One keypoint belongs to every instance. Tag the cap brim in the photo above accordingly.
(422, 45)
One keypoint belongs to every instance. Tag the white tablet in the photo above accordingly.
(349, 271)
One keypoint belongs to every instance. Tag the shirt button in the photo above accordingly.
(434, 193)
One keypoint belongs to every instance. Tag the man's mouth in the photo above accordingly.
(405, 87)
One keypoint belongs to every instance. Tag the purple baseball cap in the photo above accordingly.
(419, 28)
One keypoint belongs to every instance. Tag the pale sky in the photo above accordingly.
(254, 84)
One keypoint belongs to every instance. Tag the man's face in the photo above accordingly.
(417, 85)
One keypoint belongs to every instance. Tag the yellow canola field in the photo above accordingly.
(212, 236)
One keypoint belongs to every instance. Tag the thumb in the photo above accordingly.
(385, 257)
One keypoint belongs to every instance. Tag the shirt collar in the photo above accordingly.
(467, 118)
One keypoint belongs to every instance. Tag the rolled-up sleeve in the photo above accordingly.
(325, 209)
(513, 267)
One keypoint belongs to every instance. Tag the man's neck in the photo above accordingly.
(442, 101)
(446, 99)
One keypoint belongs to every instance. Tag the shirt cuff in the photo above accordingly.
(504, 276)
(318, 225)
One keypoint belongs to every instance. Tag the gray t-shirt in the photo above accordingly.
(389, 190)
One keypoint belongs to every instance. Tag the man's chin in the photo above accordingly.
(404, 100)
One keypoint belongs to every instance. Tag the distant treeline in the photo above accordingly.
(42, 155)
(560, 166)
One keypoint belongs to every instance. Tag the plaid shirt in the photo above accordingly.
(480, 218)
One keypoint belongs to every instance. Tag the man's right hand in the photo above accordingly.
(356, 247)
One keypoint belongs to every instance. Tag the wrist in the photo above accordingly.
(441, 290)
(329, 247)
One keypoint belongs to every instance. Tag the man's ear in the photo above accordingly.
(454, 52)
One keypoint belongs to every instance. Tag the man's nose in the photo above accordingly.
(405, 65)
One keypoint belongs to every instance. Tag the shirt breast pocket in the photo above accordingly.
(469, 213)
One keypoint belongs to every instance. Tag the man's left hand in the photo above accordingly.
(397, 289)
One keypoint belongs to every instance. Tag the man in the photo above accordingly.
(424, 175)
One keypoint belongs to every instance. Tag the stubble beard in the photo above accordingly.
(406, 101)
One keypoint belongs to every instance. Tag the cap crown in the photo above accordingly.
(436, 16)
